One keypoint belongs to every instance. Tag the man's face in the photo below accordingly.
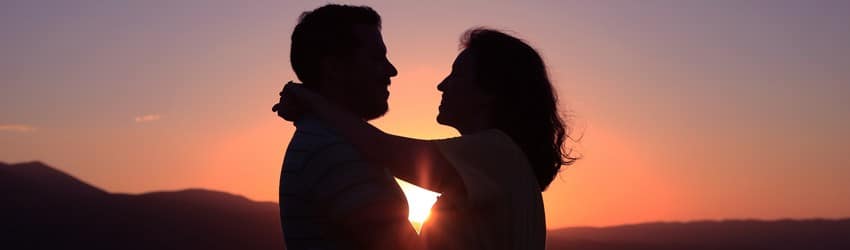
(360, 81)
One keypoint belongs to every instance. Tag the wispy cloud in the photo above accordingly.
(148, 118)
(17, 128)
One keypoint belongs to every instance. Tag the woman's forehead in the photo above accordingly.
(463, 58)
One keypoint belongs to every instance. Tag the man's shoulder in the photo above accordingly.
(312, 135)
(316, 127)
(320, 162)
(316, 144)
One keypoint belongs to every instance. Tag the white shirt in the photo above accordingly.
(503, 206)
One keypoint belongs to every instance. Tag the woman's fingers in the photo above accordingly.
(288, 105)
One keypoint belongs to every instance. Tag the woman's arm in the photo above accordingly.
(417, 161)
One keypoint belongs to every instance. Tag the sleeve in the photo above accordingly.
(476, 158)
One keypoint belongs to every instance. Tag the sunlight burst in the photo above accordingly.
(419, 200)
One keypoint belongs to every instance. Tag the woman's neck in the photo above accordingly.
(474, 126)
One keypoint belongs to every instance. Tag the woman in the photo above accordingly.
(499, 97)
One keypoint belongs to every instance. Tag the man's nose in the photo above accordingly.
(393, 71)
(442, 85)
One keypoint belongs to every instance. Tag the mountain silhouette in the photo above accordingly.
(44, 208)
(730, 234)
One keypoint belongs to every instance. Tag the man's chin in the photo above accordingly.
(375, 113)
(446, 120)
(442, 119)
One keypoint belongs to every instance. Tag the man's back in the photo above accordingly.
(331, 199)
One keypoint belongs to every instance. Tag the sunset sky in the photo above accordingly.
(687, 110)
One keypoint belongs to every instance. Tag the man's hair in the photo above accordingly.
(327, 32)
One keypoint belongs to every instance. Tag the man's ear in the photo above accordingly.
(326, 64)
(330, 68)
(326, 68)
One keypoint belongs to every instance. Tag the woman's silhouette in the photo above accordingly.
(499, 97)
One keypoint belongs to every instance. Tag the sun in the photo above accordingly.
(419, 201)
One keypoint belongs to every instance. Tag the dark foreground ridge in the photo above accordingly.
(44, 208)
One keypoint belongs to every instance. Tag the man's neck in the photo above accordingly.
(333, 96)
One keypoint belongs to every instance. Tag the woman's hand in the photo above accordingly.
(294, 101)
(382, 149)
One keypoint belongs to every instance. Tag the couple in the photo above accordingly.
(336, 187)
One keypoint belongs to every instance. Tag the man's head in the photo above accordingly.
(338, 51)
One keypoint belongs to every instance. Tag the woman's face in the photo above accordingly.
(464, 105)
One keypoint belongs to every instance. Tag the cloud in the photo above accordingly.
(147, 118)
(17, 128)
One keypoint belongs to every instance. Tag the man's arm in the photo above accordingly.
(379, 225)
(363, 204)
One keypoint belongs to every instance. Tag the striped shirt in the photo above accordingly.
(331, 199)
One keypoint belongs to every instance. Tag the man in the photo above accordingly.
(329, 197)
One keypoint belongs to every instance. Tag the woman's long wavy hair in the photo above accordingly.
(526, 106)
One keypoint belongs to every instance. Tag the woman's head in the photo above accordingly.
(499, 81)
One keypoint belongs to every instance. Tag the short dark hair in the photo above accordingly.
(526, 105)
(327, 31)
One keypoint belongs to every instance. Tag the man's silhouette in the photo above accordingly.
(329, 197)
